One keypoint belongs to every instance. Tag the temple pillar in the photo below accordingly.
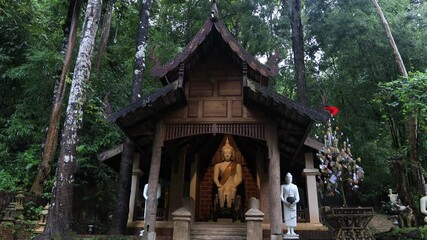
(134, 190)
(193, 185)
(274, 182)
(310, 173)
(153, 181)
(262, 184)
(177, 181)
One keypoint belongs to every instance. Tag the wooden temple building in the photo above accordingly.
(214, 90)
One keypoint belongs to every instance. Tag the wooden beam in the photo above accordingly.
(274, 182)
(153, 179)
(110, 153)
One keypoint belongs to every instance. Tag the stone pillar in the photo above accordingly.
(19, 204)
(274, 182)
(42, 219)
(310, 173)
(254, 218)
(262, 182)
(136, 173)
(177, 181)
(9, 213)
(181, 224)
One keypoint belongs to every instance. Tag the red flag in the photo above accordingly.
(332, 109)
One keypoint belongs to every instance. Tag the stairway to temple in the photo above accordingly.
(217, 231)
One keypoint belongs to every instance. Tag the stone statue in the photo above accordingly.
(227, 176)
(405, 214)
(145, 194)
(290, 197)
(392, 196)
(423, 204)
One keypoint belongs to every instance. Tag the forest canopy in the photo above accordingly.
(349, 63)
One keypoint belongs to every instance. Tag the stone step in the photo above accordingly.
(218, 231)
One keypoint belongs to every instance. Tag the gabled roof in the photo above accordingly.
(294, 119)
(139, 118)
(200, 44)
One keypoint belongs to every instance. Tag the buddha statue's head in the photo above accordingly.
(288, 178)
(227, 151)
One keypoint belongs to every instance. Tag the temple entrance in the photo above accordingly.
(211, 205)
(202, 156)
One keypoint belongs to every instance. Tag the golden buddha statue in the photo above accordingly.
(227, 176)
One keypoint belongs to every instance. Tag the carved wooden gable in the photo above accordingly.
(214, 92)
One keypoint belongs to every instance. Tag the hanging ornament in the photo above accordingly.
(332, 110)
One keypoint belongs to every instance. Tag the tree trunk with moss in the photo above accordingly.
(120, 216)
(51, 143)
(60, 213)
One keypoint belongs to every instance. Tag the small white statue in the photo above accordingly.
(392, 196)
(423, 203)
(145, 194)
(290, 197)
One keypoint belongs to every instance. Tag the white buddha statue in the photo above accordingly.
(290, 197)
(423, 203)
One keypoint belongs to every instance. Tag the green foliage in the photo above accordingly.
(403, 234)
(32, 211)
(408, 94)
(8, 182)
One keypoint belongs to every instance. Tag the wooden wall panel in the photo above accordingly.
(229, 88)
(201, 89)
(179, 113)
(237, 108)
(215, 108)
(193, 109)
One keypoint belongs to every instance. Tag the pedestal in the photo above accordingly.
(290, 236)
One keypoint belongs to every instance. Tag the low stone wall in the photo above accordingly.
(16, 230)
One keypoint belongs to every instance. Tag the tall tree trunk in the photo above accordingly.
(58, 98)
(416, 181)
(122, 206)
(121, 211)
(390, 38)
(60, 212)
(298, 50)
(399, 169)
(106, 25)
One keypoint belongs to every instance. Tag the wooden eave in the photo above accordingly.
(294, 119)
(197, 50)
(138, 119)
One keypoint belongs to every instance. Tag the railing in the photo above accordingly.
(303, 215)
(253, 130)
(139, 214)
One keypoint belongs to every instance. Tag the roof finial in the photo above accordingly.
(214, 12)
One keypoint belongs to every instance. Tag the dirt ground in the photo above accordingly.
(380, 223)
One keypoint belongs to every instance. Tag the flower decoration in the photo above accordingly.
(340, 171)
